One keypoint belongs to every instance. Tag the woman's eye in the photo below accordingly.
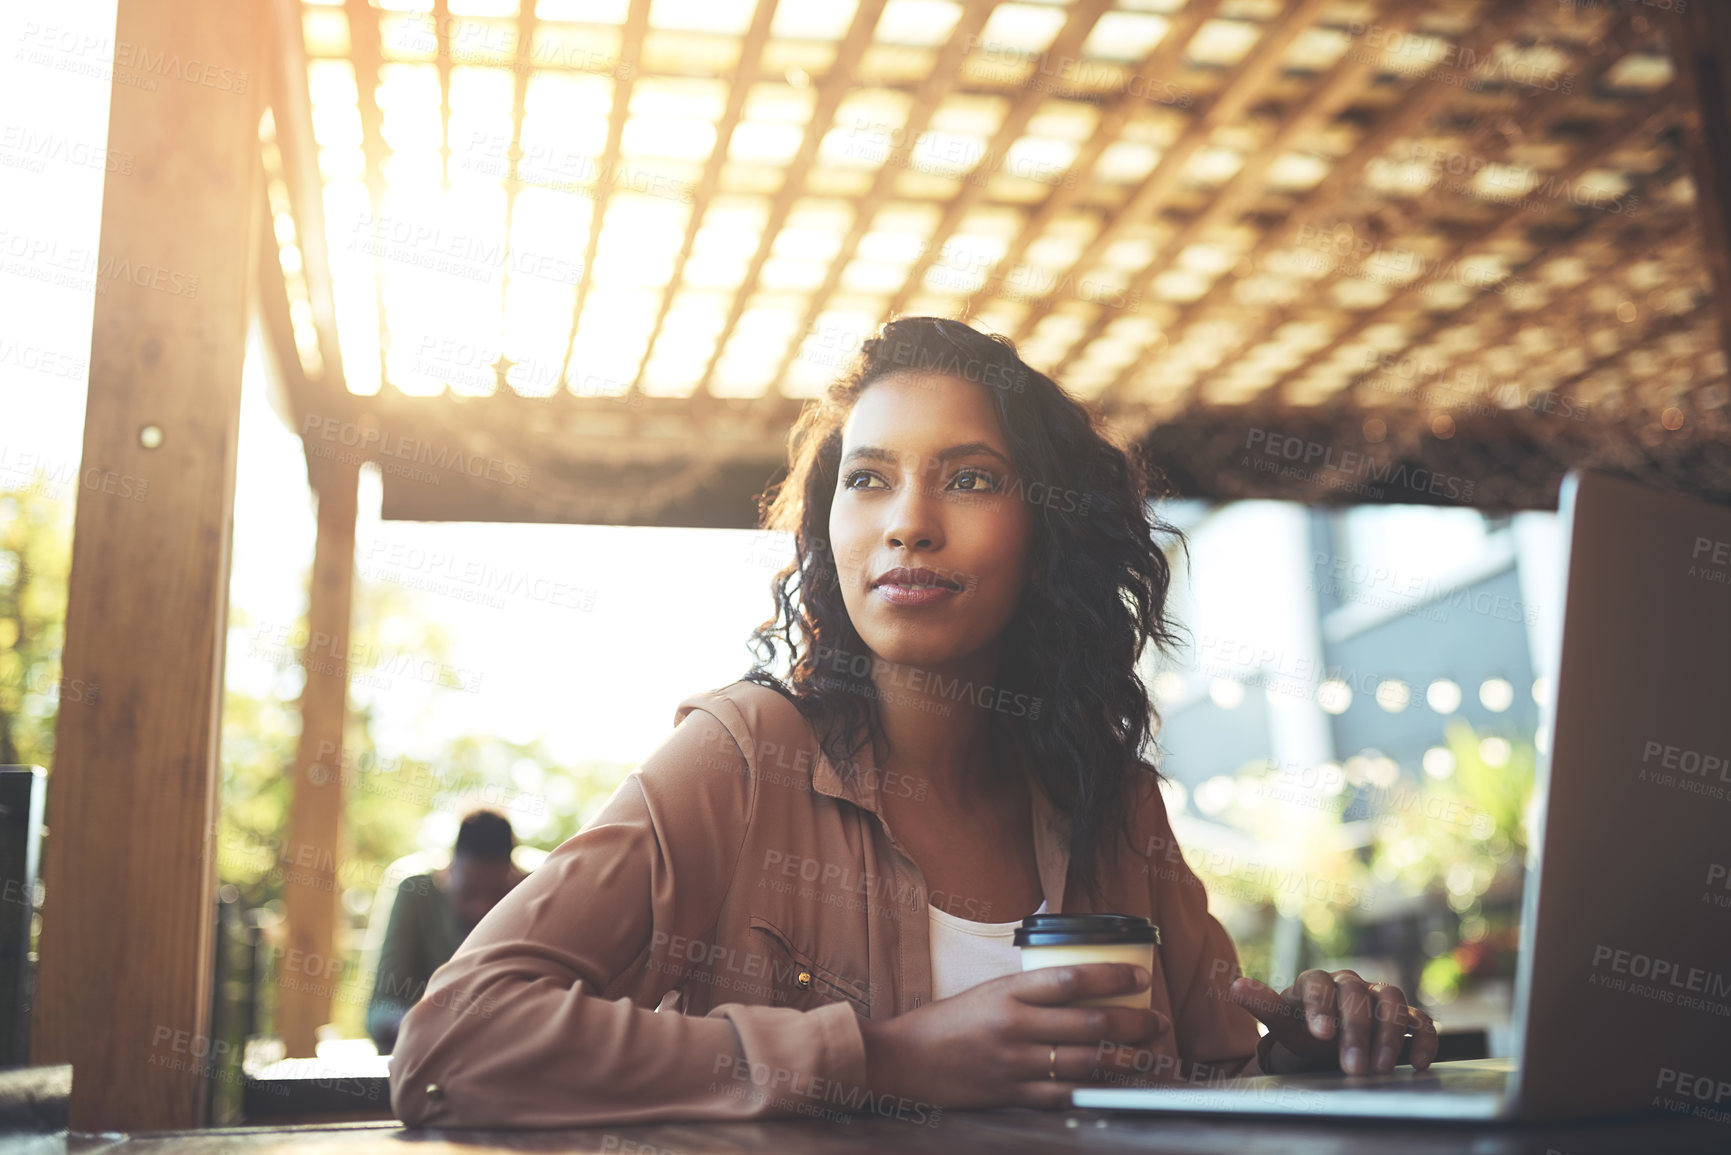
(855, 477)
(983, 482)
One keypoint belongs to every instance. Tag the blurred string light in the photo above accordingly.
(1459, 879)
(1495, 751)
(1334, 696)
(1330, 778)
(1443, 696)
(1393, 695)
(1439, 762)
(1226, 693)
(1372, 767)
(1216, 794)
(1541, 690)
(1496, 694)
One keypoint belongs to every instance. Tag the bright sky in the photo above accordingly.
(46, 213)
(669, 609)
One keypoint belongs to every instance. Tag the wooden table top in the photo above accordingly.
(1008, 1132)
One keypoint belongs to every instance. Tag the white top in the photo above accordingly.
(966, 953)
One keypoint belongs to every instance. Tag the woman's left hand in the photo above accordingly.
(1327, 1021)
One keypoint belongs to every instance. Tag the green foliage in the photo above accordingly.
(1473, 858)
(1468, 830)
(389, 797)
(1459, 839)
(393, 801)
(35, 560)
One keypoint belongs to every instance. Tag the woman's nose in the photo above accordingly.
(912, 524)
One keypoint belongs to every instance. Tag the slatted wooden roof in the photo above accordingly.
(616, 243)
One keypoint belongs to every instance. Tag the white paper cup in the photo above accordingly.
(1052, 940)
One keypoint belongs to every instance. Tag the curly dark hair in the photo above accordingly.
(1074, 640)
(485, 834)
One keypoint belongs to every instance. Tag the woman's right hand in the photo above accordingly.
(991, 1045)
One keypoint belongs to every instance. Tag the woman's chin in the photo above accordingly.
(903, 653)
(924, 653)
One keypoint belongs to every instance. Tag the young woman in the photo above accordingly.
(801, 903)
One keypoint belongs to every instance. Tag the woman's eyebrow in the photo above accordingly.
(967, 449)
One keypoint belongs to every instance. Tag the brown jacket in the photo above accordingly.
(704, 947)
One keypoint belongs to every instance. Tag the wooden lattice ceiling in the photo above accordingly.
(672, 220)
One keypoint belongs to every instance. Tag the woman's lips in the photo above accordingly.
(912, 595)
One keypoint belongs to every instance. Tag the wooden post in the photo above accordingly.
(312, 882)
(312, 878)
(124, 992)
(1701, 43)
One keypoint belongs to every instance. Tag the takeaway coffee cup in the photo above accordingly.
(1052, 940)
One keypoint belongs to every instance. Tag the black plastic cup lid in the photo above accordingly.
(1085, 930)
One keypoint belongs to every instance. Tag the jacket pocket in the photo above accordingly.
(798, 981)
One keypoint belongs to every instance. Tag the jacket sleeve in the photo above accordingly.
(1217, 1039)
(546, 1016)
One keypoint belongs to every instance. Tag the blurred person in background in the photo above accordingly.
(433, 913)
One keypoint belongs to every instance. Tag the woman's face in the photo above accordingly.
(926, 483)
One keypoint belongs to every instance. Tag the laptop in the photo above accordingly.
(1623, 987)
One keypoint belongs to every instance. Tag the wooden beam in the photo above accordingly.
(630, 50)
(1242, 86)
(1565, 310)
(1161, 62)
(930, 95)
(1612, 232)
(291, 109)
(750, 64)
(523, 63)
(1700, 39)
(1653, 329)
(316, 800)
(367, 55)
(835, 86)
(1495, 460)
(313, 843)
(272, 311)
(716, 496)
(442, 60)
(574, 459)
(1067, 44)
(1344, 81)
(1532, 116)
(1637, 121)
(127, 936)
(1425, 96)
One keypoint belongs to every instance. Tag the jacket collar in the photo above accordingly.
(1051, 825)
(862, 789)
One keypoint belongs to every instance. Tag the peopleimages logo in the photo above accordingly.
(889, 675)
(135, 65)
(1660, 980)
(372, 441)
(1710, 561)
(1315, 455)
